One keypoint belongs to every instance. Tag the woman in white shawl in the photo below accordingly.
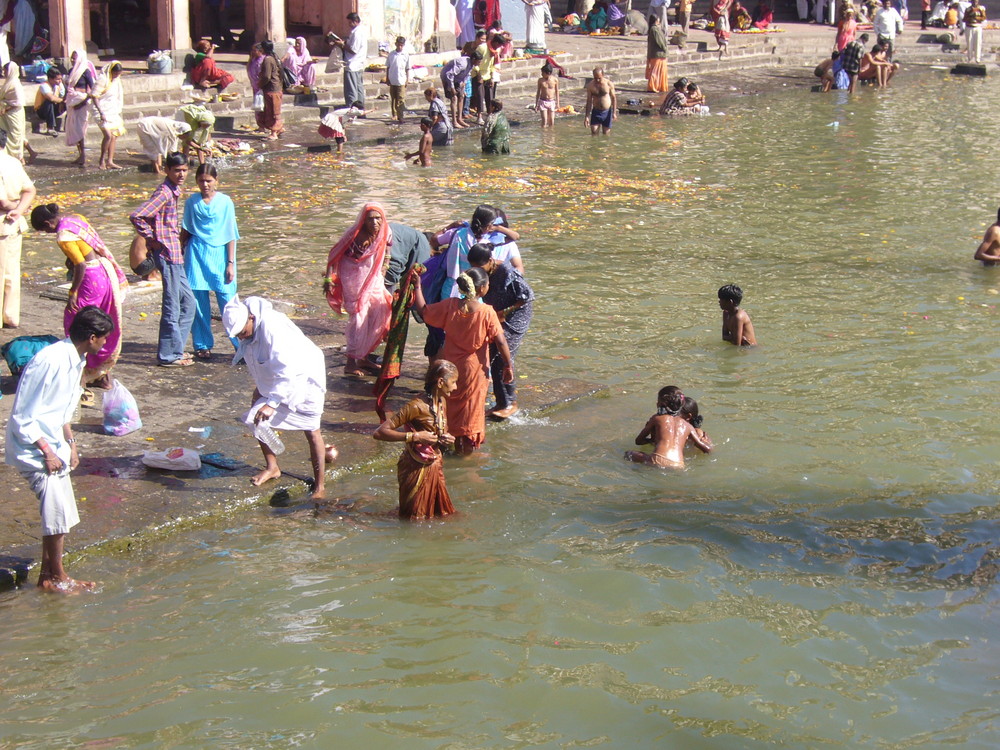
(12, 113)
(109, 101)
(79, 85)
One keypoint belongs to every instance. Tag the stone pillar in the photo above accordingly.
(67, 24)
(171, 25)
(265, 19)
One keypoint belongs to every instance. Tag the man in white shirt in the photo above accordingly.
(355, 49)
(397, 72)
(289, 375)
(887, 24)
(40, 441)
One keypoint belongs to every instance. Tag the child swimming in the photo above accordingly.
(668, 432)
(736, 326)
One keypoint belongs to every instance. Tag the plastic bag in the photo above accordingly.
(258, 101)
(121, 412)
(175, 459)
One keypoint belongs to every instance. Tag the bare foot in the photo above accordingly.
(331, 453)
(64, 585)
(265, 476)
(507, 413)
(112, 165)
(318, 493)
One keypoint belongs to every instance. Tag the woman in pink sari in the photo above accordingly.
(300, 63)
(97, 280)
(846, 30)
(355, 284)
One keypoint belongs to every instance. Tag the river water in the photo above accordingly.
(825, 578)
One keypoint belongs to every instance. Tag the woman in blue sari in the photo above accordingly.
(210, 234)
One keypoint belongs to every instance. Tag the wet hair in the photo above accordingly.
(482, 219)
(400, 40)
(732, 293)
(496, 106)
(877, 49)
(175, 159)
(90, 321)
(669, 401)
(496, 25)
(835, 54)
(692, 86)
(440, 368)
(477, 56)
(653, 19)
(470, 282)
(479, 254)
(689, 411)
(267, 46)
(208, 168)
(42, 215)
(353, 17)
(547, 69)
(53, 73)
(358, 105)
(427, 121)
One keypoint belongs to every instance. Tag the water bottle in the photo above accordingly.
(266, 434)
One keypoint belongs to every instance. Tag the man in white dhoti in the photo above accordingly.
(289, 372)
(534, 14)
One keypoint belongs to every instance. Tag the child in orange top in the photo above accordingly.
(668, 432)
(736, 326)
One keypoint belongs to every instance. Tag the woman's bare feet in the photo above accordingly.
(112, 165)
(265, 476)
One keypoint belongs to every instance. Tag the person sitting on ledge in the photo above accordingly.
(206, 73)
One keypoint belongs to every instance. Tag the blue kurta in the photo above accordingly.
(212, 226)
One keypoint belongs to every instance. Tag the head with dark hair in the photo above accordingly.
(547, 69)
(53, 73)
(45, 217)
(669, 401)
(426, 123)
(473, 283)
(116, 67)
(482, 219)
(835, 54)
(479, 255)
(267, 46)
(203, 46)
(876, 50)
(430, 93)
(863, 38)
(354, 18)
(689, 411)
(439, 371)
(681, 83)
(208, 168)
(175, 159)
(653, 20)
(90, 321)
(731, 293)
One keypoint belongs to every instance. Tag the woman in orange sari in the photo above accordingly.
(423, 426)
(469, 328)
(355, 284)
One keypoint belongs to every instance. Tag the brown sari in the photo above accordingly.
(422, 491)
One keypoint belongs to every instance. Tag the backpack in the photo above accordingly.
(18, 352)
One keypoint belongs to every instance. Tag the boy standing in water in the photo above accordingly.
(736, 326)
(547, 96)
(423, 153)
(668, 432)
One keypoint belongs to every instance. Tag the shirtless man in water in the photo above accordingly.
(547, 96)
(602, 103)
(989, 249)
(668, 432)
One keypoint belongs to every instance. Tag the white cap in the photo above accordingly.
(235, 316)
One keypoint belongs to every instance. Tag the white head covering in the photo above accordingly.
(235, 316)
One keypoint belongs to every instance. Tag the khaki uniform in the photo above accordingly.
(13, 181)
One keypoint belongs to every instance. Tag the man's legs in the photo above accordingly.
(10, 270)
(317, 455)
(176, 311)
(354, 90)
(975, 43)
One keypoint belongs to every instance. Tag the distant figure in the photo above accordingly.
(720, 15)
(160, 136)
(887, 23)
(300, 63)
(331, 125)
(355, 49)
(602, 104)
(397, 73)
(874, 67)
(271, 86)
(656, 57)
(547, 96)
(850, 59)
(109, 101)
(442, 132)
(17, 193)
(454, 76)
(289, 375)
(206, 73)
(422, 426)
(50, 101)
(495, 138)
(975, 17)
(989, 249)
(79, 85)
(736, 326)
(534, 15)
(40, 442)
(668, 432)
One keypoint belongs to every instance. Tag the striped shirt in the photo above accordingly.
(156, 219)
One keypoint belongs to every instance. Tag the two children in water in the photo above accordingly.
(677, 422)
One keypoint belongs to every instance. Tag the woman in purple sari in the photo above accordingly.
(97, 280)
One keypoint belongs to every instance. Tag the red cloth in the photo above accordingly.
(208, 71)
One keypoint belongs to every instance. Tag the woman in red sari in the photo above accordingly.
(355, 284)
(469, 328)
(423, 426)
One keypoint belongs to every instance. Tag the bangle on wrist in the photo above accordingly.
(409, 437)
(71, 441)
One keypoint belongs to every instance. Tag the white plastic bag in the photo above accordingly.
(121, 412)
(258, 101)
(175, 459)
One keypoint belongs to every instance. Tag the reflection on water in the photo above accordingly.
(825, 578)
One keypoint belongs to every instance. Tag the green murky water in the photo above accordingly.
(824, 579)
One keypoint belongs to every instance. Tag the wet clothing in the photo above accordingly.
(422, 491)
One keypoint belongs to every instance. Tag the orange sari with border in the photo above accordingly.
(420, 470)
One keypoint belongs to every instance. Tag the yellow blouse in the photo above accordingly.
(73, 246)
